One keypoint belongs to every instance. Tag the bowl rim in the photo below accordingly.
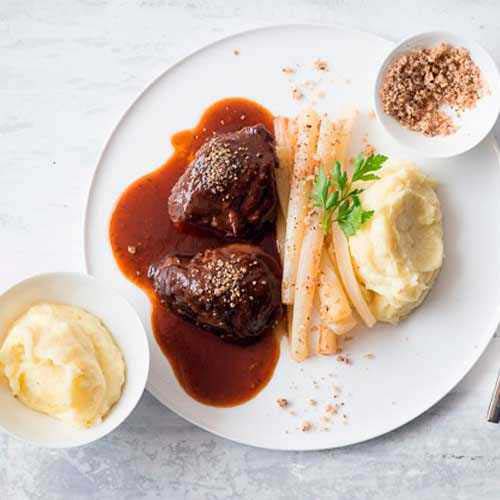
(413, 39)
(134, 399)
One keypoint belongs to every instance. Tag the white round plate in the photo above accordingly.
(416, 363)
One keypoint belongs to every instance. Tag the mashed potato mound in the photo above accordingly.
(398, 253)
(62, 361)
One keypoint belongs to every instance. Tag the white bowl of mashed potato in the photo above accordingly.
(74, 360)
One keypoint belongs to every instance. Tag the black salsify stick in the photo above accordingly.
(494, 408)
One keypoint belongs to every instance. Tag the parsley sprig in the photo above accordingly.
(337, 197)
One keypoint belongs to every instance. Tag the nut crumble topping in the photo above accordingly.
(418, 84)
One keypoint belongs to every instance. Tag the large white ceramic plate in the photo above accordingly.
(416, 363)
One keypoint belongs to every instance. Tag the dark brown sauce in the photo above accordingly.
(210, 370)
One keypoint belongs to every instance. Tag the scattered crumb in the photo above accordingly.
(138, 273)
(222, 122)
(297, 94)
(292, 413)
(369, 149)
(132, 249)
(282, 402)
(312, 402)
(342, 358)
(243, 117)
(306, 426)
(310, 84)
(321, 65)
(332, 409)
(369, 355)
(236, 52)
(288, 70)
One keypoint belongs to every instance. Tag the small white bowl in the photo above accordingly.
(124, 324)
(473, 125)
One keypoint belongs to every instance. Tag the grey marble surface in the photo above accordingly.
(68, 70)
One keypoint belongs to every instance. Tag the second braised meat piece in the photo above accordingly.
(229, 187)
(234, 290)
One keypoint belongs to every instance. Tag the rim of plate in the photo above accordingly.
(481, 348)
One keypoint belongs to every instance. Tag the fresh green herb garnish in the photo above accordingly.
(339, 200)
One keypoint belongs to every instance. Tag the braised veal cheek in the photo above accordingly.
(232, 291)
(229, 187)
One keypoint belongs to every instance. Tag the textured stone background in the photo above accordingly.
(68, 70)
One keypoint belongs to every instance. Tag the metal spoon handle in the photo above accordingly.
(494, 408)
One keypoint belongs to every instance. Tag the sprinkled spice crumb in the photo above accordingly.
(236, 52)
(312, 402)
(297, 94)
(132, 249)
(419, 83)
(341, 358)
(282, 402)
(332, 409)
(320, 65)
(288, 70)
(369, 149)
(306, 426)
(369, 355)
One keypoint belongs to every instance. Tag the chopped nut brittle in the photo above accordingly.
(419, 83)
